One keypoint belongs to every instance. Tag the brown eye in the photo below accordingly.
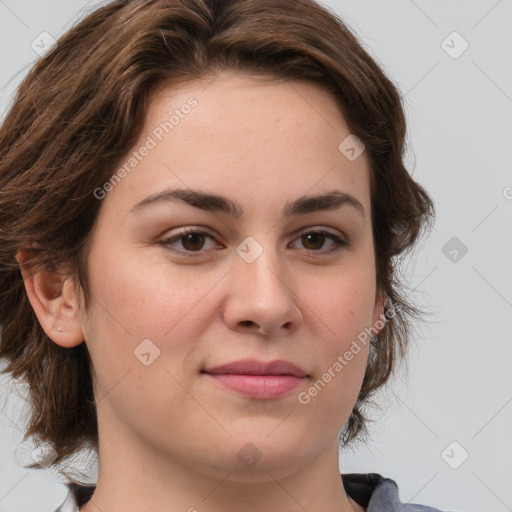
(314, 241)
(192, 241)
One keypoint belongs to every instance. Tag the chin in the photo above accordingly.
(260, 457)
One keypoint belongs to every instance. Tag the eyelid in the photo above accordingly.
(340, 241)
(320, 229)
(200, 230)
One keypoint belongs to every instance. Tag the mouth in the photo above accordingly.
(258, 379)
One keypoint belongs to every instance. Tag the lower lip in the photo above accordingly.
(258, 386)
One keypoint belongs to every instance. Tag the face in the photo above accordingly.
(182, 283)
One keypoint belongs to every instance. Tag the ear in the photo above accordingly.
(53, 298)
(378, 317)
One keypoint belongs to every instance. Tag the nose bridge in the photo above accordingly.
(261, 293)
(260, 261)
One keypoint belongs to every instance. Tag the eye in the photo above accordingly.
(193, 240)
(315, 239)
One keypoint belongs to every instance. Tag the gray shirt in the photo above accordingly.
(372, 491)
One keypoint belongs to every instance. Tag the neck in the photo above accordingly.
(134, 476)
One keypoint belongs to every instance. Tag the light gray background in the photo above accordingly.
(458, 388)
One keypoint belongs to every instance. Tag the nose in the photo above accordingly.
(261, 297)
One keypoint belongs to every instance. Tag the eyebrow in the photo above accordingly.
(332, 200)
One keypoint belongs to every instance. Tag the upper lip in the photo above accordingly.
(255, 367)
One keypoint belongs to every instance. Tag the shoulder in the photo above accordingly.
(371, 490)
(378, 494)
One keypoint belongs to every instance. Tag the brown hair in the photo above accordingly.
(82, 107)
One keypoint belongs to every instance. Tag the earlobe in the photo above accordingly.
(53, 298)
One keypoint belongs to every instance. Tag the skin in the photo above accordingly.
(169, 435)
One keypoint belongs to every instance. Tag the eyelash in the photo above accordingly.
(339, 243)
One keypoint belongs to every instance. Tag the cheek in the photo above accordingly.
(342, 307)
(132, 302)
(142, 297)
(138, 310)
(343, 302)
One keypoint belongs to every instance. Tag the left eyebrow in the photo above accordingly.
(332, 200)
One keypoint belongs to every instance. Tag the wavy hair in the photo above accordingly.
(81, 108)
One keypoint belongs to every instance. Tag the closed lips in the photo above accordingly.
(255, 367)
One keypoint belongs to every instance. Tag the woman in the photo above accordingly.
(201, 206)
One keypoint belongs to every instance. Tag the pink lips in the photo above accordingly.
(258, 379)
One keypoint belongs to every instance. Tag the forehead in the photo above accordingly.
(258, 138)
(252, 104)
